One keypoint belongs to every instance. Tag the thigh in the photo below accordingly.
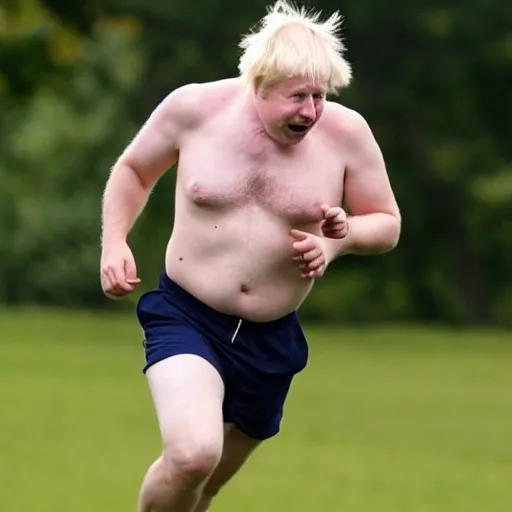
(188, 393)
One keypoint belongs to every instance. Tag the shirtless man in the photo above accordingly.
(264, 166)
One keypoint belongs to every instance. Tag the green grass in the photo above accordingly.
(382, 420)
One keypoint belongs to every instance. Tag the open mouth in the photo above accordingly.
(298, 128)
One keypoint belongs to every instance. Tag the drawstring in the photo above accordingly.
(236, 332)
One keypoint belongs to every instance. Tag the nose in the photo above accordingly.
(308, 109)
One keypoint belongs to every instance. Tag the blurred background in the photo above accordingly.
(432, 78)
(407, 402)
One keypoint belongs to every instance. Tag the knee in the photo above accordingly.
(191, 462)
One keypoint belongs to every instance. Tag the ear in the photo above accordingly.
(258, 86)
(262, 90)
(263, 86)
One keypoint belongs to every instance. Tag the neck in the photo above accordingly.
(248, 108)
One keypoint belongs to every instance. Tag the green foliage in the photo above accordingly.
(434, 89)
(57, 151)
(432, 80)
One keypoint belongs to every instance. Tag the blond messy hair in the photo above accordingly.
(292, 42)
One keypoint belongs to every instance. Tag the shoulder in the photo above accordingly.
(190, 104)
(348, 132)
(344, 123)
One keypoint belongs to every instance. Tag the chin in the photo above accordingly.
(295, 138)
(294, 142)
(288, 138)
(285, 141)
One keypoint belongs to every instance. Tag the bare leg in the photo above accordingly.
(188, 394)
(237, 449)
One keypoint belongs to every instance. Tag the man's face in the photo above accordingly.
(290, 108)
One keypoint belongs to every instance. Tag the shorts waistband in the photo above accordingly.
(188, 302)
(192, 304)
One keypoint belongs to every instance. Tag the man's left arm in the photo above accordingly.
(374, 220)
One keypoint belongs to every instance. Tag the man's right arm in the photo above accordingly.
(153, 150)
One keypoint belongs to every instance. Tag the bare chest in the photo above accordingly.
(292, 184)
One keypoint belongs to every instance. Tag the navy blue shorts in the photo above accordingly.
(256, 360)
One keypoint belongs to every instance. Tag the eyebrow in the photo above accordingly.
(306, 89)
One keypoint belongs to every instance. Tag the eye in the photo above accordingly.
(318, 96)
(300, 96)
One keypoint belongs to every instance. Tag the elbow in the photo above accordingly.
(395, 230)
(131, 173)
(390, 234)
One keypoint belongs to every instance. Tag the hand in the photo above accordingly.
(118, 271)
(335, 223)
(309, 253)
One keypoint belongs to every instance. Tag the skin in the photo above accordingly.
(243, 201)
(258, 217)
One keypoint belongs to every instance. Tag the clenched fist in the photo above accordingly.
(335, 222)
(118, 271)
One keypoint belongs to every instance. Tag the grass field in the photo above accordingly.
(382, 420)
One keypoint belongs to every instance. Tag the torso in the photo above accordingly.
(238, 194)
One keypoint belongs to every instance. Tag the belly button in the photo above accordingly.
(244, 288)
